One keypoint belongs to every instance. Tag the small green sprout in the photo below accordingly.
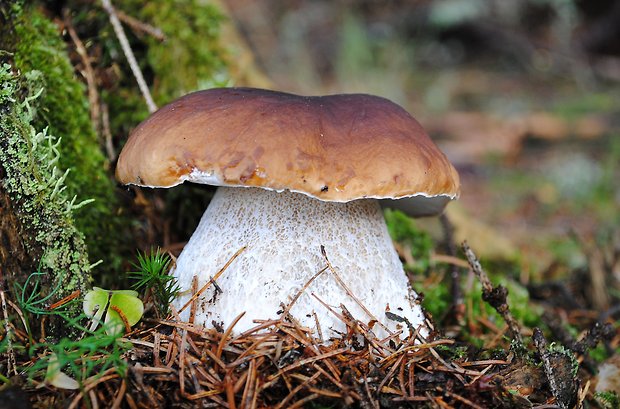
(152, 275)
(88, 357)
(122, 309)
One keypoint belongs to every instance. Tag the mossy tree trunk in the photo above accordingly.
(35, 44)
(45, 105)
(13, 255)
(37, 224)
(37, 229)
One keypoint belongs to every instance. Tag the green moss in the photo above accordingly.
(63, 108)
(190, 58)
(403, 229)
(36, 186)
(438, 298)
(574, 107)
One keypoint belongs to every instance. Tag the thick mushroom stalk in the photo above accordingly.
(283, 233)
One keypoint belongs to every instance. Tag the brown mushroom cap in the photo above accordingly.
(334, 148)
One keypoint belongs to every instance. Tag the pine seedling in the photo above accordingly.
(152, 275)
(31, 299)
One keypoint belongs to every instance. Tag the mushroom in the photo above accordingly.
(295, 174)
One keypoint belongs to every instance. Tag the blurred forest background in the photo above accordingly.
(523, 96)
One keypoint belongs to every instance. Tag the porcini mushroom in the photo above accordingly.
(295, 173)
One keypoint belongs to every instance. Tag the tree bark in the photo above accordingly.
(13, 255)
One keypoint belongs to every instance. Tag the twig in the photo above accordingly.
(89, 387)
(495, 296)
(318, 327)
(138, 25)
(459, 398)
(350, 293)
(65, 300)
(411, 379)
(226, 334)
(373, 401)
(301, 403)
(8, 334)
(541, 345)
(182, 349)
(120, 395)
(194, 305)
(287, 309)
(107, 134)
(308, 361)
(593, 336)
(212, 280)
(297, 389)
(88, 73)
(457, 372)
(21, 317)
(131, 59)
(94, 402)
(230, 393)
(391, 372)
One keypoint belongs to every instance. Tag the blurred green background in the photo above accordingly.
(522, 95)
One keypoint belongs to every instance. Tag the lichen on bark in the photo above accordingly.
(34, 186)
(35, 43)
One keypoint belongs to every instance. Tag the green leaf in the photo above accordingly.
(99, 301)
(95, 303)
(129, 304)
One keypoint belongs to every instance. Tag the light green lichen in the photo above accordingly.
(190, 58)
(35, 184)
(560, 349)
(36, 45)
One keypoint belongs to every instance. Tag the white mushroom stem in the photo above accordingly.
(283, 233)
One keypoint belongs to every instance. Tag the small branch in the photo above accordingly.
(593, 336)
(495, 296)
(556, 384)
(107, 134)
(287, 309)
(350, 293)
(11, 365)
(88, 73)
(138, 25)
(212, 280)
(65, 300)
(131, 59)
